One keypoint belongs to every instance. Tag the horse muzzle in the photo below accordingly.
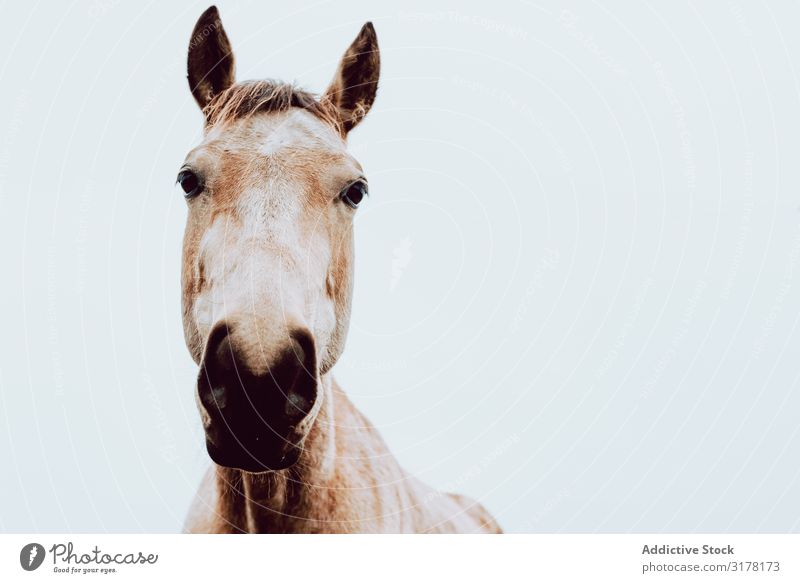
(257, 409)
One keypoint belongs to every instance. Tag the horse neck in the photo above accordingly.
(285, 500)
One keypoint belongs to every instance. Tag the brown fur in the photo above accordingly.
(246, 99)
(363, 491)
(269, 248)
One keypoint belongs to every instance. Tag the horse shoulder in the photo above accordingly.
(398, 502)
(459, 514)
(483, 521)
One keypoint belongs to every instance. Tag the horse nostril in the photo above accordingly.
(218, 371)
(301, 391)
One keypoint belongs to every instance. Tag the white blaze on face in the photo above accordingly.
(265, 257)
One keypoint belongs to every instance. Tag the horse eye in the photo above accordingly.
(354, 193)
(190, 183)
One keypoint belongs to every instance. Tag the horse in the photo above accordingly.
(267, 279)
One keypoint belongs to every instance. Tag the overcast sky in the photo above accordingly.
(576, 291)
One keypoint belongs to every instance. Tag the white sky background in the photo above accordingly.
(576, 280)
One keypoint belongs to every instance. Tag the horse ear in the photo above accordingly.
(211, 65)
(355, 84)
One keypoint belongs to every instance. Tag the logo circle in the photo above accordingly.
(31, 556)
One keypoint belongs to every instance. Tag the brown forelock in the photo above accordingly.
(248, 98)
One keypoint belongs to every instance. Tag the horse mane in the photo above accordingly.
(245, 99)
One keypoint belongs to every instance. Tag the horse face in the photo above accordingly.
(267, 255)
